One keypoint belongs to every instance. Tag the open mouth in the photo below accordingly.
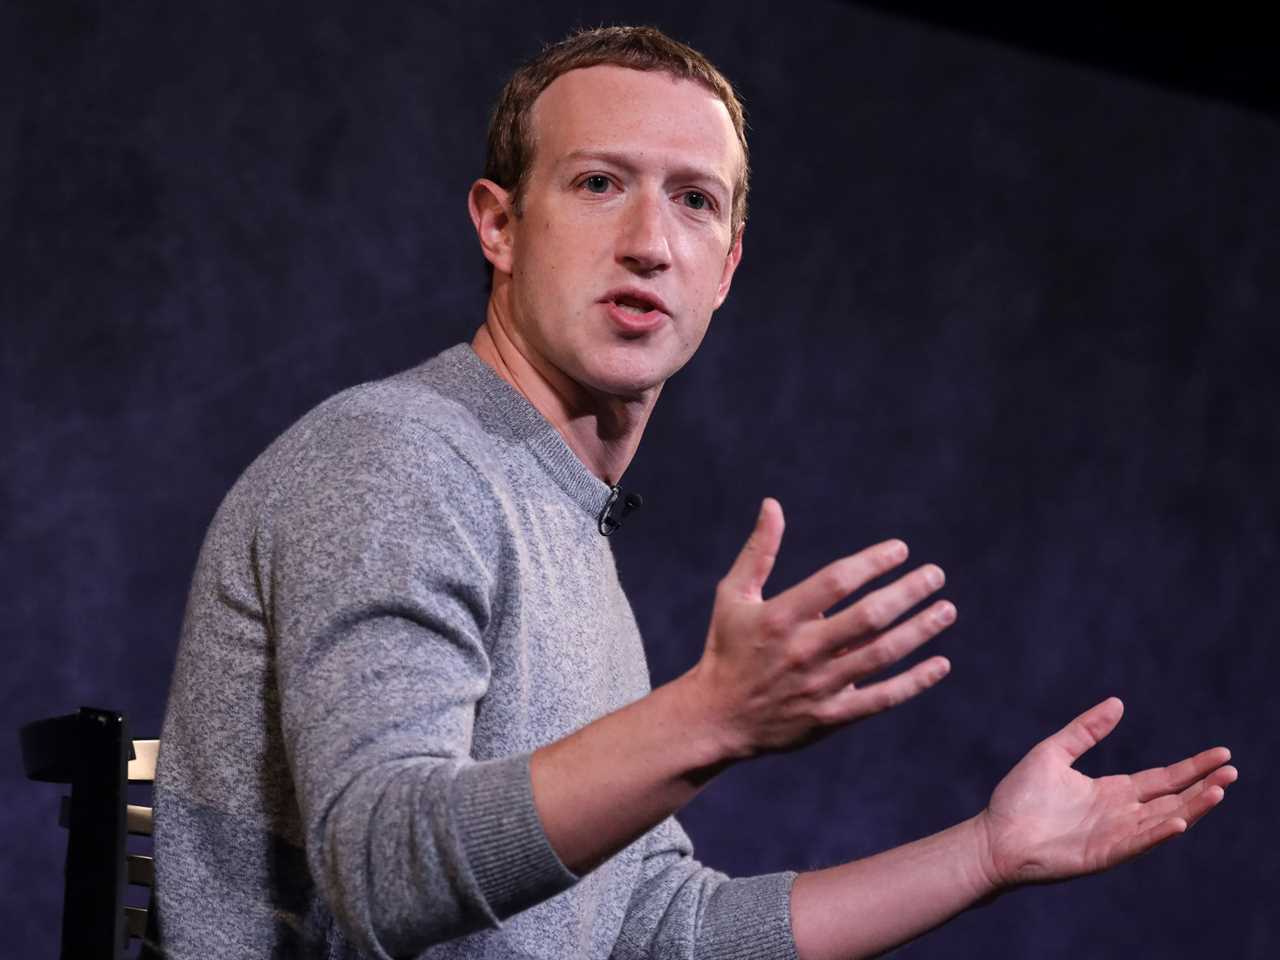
(635, 303)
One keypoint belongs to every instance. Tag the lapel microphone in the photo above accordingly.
(616, 509)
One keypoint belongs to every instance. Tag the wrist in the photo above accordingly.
(986, 874)
(712, 739)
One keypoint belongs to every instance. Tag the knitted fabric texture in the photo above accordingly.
(397, 603)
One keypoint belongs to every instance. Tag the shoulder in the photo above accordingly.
(399, 420)
(403, 446)
(405, 424)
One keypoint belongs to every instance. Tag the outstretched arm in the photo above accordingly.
(775, 674)
(1044, 822)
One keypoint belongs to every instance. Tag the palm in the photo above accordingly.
(1047, 821)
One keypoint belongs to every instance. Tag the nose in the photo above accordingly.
(642, 239)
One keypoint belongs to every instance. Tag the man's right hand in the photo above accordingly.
(776, 674)
(779, 674)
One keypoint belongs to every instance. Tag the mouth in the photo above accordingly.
(635, 302)
(634, 312)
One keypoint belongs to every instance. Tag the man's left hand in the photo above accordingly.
(1047, 821)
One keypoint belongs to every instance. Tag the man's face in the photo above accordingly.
(624, 247)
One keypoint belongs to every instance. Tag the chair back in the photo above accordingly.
(91, 751)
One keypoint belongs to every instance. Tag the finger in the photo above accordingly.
(837, 580)
(1162, 808)
(854, 703)
(1223, 777)
(1088, 729)
(1190, 803)
(892, 646)
(1193, 797)
(1204, 801)
(1145, 839)
(1190, 806)
(755, 561)
(1161, 780)
(878, 609)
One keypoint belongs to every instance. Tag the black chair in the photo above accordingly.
(92, 752)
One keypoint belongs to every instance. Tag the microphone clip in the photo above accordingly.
(616, 509)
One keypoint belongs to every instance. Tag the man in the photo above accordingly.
(411, 715)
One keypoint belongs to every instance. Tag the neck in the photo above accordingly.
(602, 430)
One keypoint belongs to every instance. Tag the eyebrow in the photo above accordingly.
(624, 162)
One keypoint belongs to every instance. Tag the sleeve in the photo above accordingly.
(681, 908)
(379, 570)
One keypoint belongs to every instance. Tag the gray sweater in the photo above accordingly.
(398, 602)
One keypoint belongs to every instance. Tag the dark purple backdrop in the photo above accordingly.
(1020, 313)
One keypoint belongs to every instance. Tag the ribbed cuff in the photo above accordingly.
(507, 849)
(749, 919)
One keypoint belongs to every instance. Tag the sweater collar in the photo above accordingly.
(504, 411)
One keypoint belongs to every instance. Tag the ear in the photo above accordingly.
(490, 208)
(730, 265)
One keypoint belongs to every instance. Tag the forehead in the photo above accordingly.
(643, 112)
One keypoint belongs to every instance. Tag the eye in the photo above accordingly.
(695, 200)
(596, 183)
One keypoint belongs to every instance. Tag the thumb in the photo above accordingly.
(1088, 729)
(754, 563)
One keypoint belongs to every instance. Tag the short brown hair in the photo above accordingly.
(510, 153)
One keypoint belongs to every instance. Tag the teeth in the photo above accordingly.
(633, 308)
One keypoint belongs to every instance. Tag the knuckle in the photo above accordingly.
(794, 660)
(856, 617)
(889, 696)
(826, 714)
(774, 622)
(834, 581)
(879, 655)
(920, 629)
(874, 701)
(813, 690)
(874, 613)
(886, 555)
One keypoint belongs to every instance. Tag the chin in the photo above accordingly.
(631, 378)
